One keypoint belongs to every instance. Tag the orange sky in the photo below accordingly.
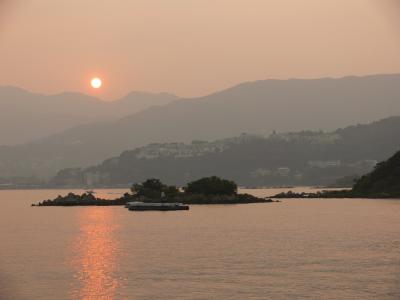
(191, 47)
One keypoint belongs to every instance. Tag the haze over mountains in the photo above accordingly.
(254, 107)
(26, 116)
(297, 158)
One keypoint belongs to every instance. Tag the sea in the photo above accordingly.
(296, 249)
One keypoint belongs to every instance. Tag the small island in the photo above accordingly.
(382, 182)
(208, 190)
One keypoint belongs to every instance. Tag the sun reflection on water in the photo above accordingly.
(95, 255)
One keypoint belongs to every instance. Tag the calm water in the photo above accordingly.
(298, 249)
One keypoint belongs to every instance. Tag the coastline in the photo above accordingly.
(88, 199)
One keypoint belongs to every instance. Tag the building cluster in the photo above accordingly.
(316, 164)
(310, 136)
(195, 148)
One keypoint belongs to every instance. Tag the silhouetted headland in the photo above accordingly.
(382, 182)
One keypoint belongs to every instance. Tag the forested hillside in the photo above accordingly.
(298, 158)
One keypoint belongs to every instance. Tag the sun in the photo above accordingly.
(96, 83)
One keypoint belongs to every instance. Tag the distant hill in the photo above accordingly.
(254, 107)
(298, 158)
(139, 101)
(26, 116)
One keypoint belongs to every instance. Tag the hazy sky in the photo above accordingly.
(191, 47)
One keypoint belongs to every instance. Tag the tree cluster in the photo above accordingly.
(154, 189)
(211, 186)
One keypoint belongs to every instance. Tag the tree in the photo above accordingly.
(211, 186)
(153, 188)
(171, 191)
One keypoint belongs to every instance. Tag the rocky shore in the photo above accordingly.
(88, 199)
(85, 199)
(207, 190)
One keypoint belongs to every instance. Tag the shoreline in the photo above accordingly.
(128, 187)
(88, 199)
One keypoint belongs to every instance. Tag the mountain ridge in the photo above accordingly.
(255, 107)
(296, 158)
(27, 116)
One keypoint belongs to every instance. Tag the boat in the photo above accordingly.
(141, 206)
(128, 204)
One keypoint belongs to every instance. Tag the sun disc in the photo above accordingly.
(96, 83)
